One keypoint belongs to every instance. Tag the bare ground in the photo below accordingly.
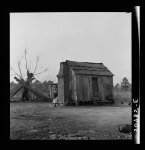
(41, 121)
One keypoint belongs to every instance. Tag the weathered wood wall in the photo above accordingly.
(66, 83)
(72, 88)
(83, 87)
(85, 91)
(63, 83)
(61, 90)
(107, 85)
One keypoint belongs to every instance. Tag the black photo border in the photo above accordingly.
(5, 60)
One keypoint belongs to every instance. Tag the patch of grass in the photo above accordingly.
(122, 96)
(37, 121)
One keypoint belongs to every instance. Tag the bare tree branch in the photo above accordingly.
(26, 59)
(13, 74)
(41, 72)
(36, 64)
(16, 72)
(19, 63)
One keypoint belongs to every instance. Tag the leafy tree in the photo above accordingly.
(125, 84)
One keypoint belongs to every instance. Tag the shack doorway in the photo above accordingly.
(95, 88)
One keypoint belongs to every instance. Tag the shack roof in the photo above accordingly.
(89, 68)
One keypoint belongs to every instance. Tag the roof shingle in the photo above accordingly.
(89, 68)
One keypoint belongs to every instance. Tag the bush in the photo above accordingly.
(122, 96)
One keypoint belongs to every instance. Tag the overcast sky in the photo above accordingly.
(83, 36)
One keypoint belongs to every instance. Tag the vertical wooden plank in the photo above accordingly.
(61, 90)
(108, 87)
(100, 87)
(105, 86)
(95, 86)
(66, 71)
(89, 88)
(103, 92)
(73, 88)
(90, 82)
(77, 87)
(83, 87)
(86, 89)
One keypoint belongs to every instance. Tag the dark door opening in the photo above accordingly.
(95, 89)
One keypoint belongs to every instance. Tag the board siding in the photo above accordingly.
(83, 87)
(73, 92)
(107, 86)
(61, 90)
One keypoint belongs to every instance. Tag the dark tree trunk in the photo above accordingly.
(25, 94)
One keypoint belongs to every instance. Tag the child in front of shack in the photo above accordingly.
(55, 100)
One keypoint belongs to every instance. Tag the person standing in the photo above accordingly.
(55, 100)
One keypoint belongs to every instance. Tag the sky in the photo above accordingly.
(99, 37)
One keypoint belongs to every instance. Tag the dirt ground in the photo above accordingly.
(42, 121)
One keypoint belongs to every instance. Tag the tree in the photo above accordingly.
(30, 76)
(12, 85)
(125, 84)
(117, 86)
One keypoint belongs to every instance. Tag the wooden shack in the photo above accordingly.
(84, 82)
(52, 87)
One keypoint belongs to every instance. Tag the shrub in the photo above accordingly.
(122, 96)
